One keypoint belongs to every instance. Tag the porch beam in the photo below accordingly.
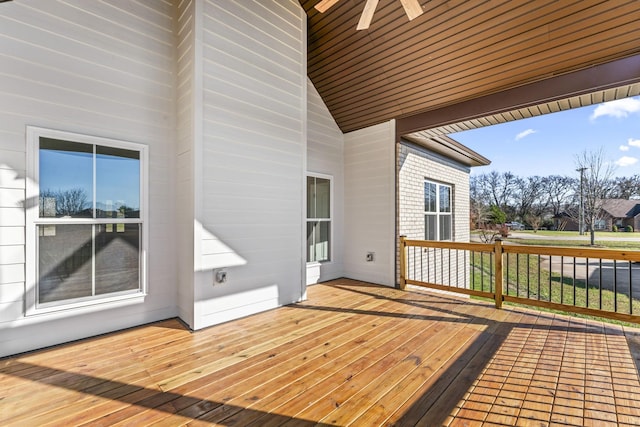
(598, 77)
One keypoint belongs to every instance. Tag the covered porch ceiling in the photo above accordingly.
(442, 71)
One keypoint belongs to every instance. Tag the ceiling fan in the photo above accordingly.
(411, 7)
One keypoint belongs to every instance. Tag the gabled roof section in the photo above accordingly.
(621, 208)
(455, 51)
(450, 148)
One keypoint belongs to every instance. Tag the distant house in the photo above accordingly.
(618, 212)
(621, 213)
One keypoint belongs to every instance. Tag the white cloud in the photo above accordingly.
(524, 134)
(633, 142)
(626, 161)
(619, 108)
(624, 148)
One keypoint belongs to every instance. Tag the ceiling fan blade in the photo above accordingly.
(325, 5)
(367, 14)
(412, 8)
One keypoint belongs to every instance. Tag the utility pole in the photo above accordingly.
(581, 213)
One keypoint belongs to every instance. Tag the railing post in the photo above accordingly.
(497, 253)
(403, 262)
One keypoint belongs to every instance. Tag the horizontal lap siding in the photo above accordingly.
(184, 155)
(98, 68)
(325, 155)
(369, 196)
(253, 149)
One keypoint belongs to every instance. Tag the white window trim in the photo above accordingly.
(32, 219)
(330, 220)
(437, 213)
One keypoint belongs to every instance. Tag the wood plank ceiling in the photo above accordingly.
(457, 50)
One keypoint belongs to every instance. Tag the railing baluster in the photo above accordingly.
(539, 263)
(528, 276)
(482, 270)
(615, 286)
(600, 282)
(630, 289)
(421, 264)
(517, 275)
(449, 256)
(473, 269)
(586, 282)
(561, 279)
(507, 275)
(574, 281)
(550, 275)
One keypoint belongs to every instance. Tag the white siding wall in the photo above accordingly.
(100, 68)
(249, 206)
(370, 226)
(186, 120)
(325, 155)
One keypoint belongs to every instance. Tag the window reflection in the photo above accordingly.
(117, 183)
(66, 179)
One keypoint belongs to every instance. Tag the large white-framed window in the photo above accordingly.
(319, 217)
(438, 211)
(86, 220)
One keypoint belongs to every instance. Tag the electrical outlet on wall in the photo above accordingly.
(371, 256)
(220, 276)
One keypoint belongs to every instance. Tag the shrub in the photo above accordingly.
(629, 228)
(614, 228)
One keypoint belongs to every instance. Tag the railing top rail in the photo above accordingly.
(616, 254)
(568, 251)
(478, 247)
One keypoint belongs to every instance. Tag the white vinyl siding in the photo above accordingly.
(325, 156)
(249, 197)
(369, 163)
(95, 68)
(185, 161)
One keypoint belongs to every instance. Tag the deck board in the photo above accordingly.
(353, 354)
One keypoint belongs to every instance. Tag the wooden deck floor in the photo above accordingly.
(354, 354)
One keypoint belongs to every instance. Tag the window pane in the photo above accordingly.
(117, 183)
(64, 262)
(445, 199)
(445, 227)
(429, 197)
(323, 195)
(117, 257)
(430, 231)
(318, 241)
(66, 179)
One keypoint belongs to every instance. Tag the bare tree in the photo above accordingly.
(529, 200)
(596, 185)
(500, 188)
(626, 187)
(559, 191)
(67, 202)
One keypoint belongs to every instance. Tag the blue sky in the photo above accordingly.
(548, 144)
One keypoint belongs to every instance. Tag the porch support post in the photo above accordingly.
(403, 262)
(497, 253)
